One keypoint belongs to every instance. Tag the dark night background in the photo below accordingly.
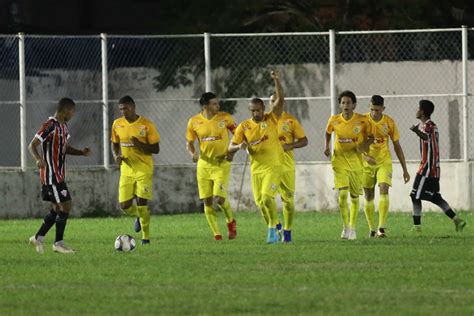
(221, 16)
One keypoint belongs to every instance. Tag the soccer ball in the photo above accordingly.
(124, 243)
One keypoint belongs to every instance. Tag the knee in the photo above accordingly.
(126, 205)
(208, 201)
(219, 200)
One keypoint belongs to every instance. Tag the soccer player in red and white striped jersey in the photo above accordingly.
(53, 137)
(426, 185)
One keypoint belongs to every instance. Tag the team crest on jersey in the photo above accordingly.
(263, 125)
(273, 187)
(285, 128)
(142, 131)
(356, 129)
(64, 193)
(221, 124)
(385, 128)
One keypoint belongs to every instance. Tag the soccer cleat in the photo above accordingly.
(38, 244)
(460, 224)
(286, 236)
(272, 237)
(345, 233)
(145, 241)
(372, 233)
(352, 234)
(232, 228)
(60, 247)
(217, 237)
(381, 233)
(138, 226)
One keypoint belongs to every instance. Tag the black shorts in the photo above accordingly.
(56, 193)
(425, 188)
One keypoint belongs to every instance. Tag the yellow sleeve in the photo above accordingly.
(298, 131)
(394, 134)
(329, 127)
(152, 136)
(190, 134)
(114, 137)
(231, 126)
(238, 137)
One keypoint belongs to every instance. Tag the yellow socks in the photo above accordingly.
(288, 213)
(211, 219)
(225, 208)
(383, 210)
(354, 211)
(144, 221)
(369, 210)
(343, 207)
(131, 211)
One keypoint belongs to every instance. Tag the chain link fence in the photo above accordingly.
(167, 74)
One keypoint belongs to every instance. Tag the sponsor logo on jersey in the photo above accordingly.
(259, 141)
(211, 138)
(347, 140)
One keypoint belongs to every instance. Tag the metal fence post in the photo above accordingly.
(465, 94)
(207, 60)
(332, 70)
(105, 101)
(22, 79)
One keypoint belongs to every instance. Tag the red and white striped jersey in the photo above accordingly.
(429, 148)
(53, 136)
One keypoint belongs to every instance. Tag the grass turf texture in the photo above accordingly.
(184, 271)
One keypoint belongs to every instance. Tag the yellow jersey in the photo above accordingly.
(212, 134)
(264, 146)
(135, 161)
(289, 130)
(382, 131)
(349, 134)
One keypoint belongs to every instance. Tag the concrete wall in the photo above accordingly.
(94, 191)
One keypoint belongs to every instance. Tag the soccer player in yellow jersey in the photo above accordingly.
(291, 136)
(259, 135)
(211, 128)
(352, 131)
(383, 128)
(134, 140)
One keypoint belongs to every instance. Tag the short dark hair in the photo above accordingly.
(377, 100)
(126, 100)
(349, 94)
(64, 104)
(257, 101)
(206, 97)
(427, 107)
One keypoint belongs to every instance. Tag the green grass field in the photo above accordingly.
(184, 271)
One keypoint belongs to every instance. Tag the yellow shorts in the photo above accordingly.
(266, 183)
(213, 180)
(135, 186)
(377, 174)
(287, 185)
(348, 178)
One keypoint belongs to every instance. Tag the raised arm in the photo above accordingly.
(401, 157)
(147, 148)
(277, 103)
(78, 152)
(299, 143)
(417, 131)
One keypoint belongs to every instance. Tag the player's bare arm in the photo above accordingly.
(116, 153)
(233, 147)
(147, 148)
(401, 157)
(417, 131)
(327, 150)
(299, 143)
(192, 151)
(277, 104)
(78, 152)
(33, 149)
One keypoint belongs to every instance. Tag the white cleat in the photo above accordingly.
(38, 244)
(352, 234)
(345, 233)
(62, 248)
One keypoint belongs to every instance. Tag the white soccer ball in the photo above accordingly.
(124, 243)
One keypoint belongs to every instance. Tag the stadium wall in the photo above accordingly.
(94, 190)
